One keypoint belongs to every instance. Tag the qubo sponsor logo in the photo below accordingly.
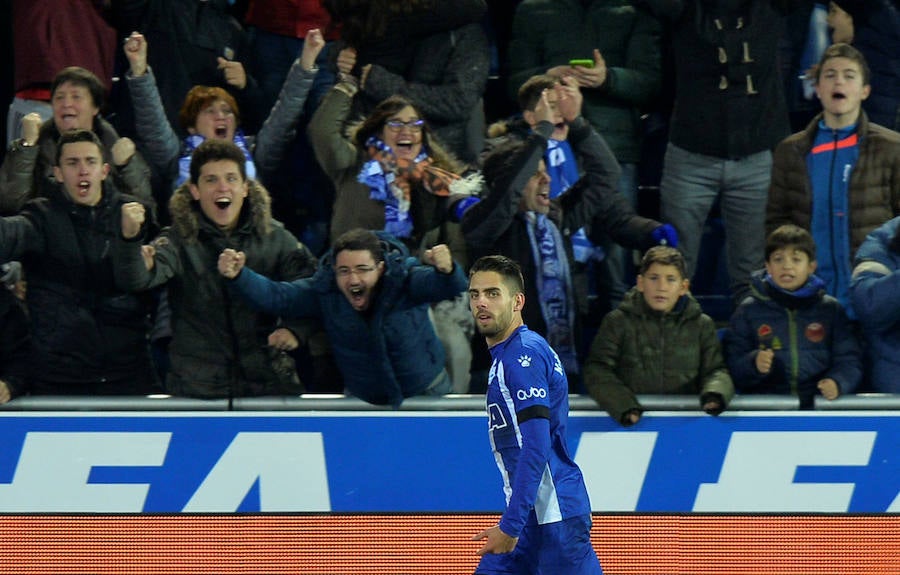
(532, 392)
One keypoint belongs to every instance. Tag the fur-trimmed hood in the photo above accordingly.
(256, 213)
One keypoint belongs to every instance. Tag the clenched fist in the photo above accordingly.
(133, 215)
(231, 263)
(439, 257)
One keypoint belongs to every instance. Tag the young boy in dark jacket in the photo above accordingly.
(788, 336)
(658, 341)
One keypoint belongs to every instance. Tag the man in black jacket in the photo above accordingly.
(88, 337)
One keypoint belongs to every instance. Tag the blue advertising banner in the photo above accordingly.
(439, 462)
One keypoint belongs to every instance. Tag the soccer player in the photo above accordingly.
(547, 523)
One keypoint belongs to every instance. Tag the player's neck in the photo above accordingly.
(501, 337)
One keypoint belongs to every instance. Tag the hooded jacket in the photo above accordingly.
(219, 344)
(641, 351)
(811, 336)
(391, 351)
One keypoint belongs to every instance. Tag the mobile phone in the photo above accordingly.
(584, 62)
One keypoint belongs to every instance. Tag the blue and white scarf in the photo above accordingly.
(194, 140)
(554, 285)
(382, 188)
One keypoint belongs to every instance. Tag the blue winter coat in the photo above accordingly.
(389, 353)
(873, 291)
(812, 337)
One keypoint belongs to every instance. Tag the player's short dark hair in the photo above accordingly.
(359, 239)
(214, 151)
(791, 235)
(74, 136)
(666, 256)
(530, 92)
(508, 269)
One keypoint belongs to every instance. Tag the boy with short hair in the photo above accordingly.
(221, 347)
(839, 178)
(788, 336)
(658, 341)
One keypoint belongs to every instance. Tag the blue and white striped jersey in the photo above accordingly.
(528, 408)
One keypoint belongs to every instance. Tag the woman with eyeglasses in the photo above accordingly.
(389, 171)
(210, 112)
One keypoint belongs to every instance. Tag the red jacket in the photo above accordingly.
(289, 17)
(50, 35)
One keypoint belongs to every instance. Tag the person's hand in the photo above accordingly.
(283, 339)
(148, 252)
(764, 359)
(542, 110)
(666, 235)
(631, 417)
(231, 263)
(312, 45)
(136, 52)
(122, 151)
(569, 98)
(5, 394)
(497, 541)
(346, 60)
(440, 258)
(31, 128)
(233, 72)
(712, 403)
(133, 215)
(829, 388)
(591, 77)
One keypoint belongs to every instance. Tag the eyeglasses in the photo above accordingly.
(358, 270)
(397, 125)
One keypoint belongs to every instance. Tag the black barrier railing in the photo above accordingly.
(687, 403)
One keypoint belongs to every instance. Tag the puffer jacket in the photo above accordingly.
(812, 337)
(27, 172)
(390, 352)
(641, 351)
(874, 184)
(219, 344)
(873, 290)
(85, 331)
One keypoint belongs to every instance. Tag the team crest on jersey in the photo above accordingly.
(525, 361)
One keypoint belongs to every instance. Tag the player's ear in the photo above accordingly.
(519, 302)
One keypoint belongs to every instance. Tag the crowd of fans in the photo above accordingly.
(211, 199)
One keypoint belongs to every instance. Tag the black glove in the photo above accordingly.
(716, 401)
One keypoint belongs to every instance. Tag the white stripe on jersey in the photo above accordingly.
(497, 368)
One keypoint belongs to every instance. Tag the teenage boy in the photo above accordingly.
(788, 336)
(88, 336)
(220, 348)
(840, 177)
(658, 341)
(546, 527)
